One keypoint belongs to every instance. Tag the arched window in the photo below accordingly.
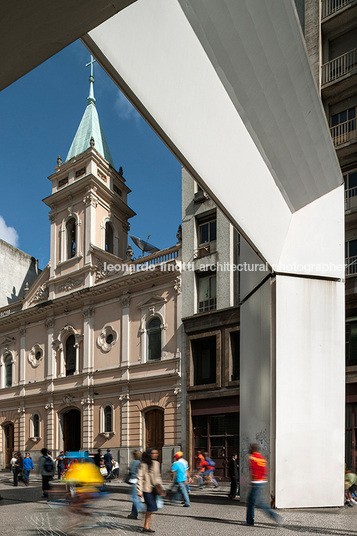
(70, 356)
(71, 238)
(36, 425)
(153, 329)
(108, 419)
(8, 370)
(109, 238)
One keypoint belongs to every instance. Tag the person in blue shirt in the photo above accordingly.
(179, 469)
(27, 467)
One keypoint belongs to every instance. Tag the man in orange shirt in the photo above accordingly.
(259, 478)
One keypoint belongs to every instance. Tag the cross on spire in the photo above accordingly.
(91, 98)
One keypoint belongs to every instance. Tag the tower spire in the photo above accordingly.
(91, 81)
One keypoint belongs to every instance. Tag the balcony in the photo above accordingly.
(351, 199)
(330, 7)
(340, 67)
(344, 133)
(351, 265)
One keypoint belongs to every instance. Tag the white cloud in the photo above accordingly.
(124, 108)
(9, 234)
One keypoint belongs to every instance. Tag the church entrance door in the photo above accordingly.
(154, 430)
(9, 442)
(72, 430)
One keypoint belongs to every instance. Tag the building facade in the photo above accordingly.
(90, 358)
(330, 29)
(211, 326)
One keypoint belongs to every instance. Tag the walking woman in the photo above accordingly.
(133, 479)
(149, 484)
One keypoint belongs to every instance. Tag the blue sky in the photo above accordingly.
(40, 114)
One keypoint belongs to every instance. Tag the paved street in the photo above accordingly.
(211, 513)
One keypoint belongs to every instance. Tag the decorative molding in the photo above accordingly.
(107, 435)
(22, 331)
(49, 406)
(177, 284)
(68, 400)
(40, 295)
(49, 323)
(106, 332)
(70, 284)
(87, 401)
(88, 311)
(126, 226)
(90, 198)
(21, 410)
(35, 439)
(124, 397)
(100, 273)
(33, 358)
(177, 391)
(125, 300)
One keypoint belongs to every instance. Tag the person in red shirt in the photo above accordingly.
(259, 478)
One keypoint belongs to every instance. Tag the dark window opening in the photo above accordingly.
(38, 356)
(204, 360)
(351, 343)
(80, 172)
(70, 356)
(71, 238)
(234, 335)
(207, 298)
(154, 339)
(108, 419)
(117, 190)
(36, 425)
(109, 237)
(8, 371)
(109, 339)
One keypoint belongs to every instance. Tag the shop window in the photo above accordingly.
(70, 356)
(153, 331)
(235, 355)
(204, 360)
(207, 294)
(351, 343)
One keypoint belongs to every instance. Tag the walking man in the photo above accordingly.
(259, 473)
(27, 467)
(180, 472)
(47, 470)
(108, 457)
(233, 475)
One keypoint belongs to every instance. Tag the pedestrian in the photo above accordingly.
(259, 473)
(233, 475)
(98, 457)
(137, 506)
(200, 466)
(27, 467)
(150, 484)
(17, 466)
(60, 464)
(108, 457)
(47, 469)
(180, 472)
(209, 470)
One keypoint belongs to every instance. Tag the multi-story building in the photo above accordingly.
(90, 357)
(211, 326)
(330, 29)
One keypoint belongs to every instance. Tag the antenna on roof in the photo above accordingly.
(144, 245)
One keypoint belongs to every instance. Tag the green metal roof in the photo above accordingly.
(90, 127)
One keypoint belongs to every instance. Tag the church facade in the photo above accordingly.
(91, 356)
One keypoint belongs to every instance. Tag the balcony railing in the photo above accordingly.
(344, 132)
(331, 6)
(351, 265)
(335, 69)
(351, 198)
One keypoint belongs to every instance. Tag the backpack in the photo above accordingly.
(210, 462)
(49, 465)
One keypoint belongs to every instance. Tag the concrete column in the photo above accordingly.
(49, 433)
(88, 338)
(292, 388)
(22, 416)
(50, 356)
(91, 202)
(22, 360)
(124, 427)
(87, 422)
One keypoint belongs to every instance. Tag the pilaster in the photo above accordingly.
(22, 440)
(22, 360)
(50, 364)
(49, 433)
(88, 338)
(125, 414)
(87, 421)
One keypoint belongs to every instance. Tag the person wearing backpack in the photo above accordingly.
(47, 470)
(209, 470)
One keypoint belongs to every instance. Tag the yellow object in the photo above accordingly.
(86, 475)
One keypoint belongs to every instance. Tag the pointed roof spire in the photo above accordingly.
(90, 127)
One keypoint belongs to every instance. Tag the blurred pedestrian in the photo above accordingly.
(60, 464)
(150, 484)
(137, 506)
(98, 458)
(17, 466)
(233, 475)
(47, 470)
(108, 457)
(259, 473)
(27, 467)
(209, 470)
(180, 471)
